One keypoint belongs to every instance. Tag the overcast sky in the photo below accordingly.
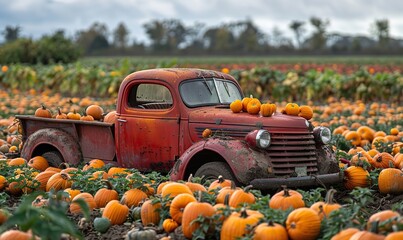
(38, 17)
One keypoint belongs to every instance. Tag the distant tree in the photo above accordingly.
(250, 38)
(194, 37)
(56, 48)
(93, 39)
(11, 33)
(380, 29)
(298, 29)
(219, 39)
(166, 35)
(121, 36)
(278, 39)
(318, 38)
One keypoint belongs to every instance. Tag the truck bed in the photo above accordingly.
(95, 138)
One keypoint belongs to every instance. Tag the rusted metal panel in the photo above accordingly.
(97, 142)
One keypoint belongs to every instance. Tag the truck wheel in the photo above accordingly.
(211, 171)
(54, 158)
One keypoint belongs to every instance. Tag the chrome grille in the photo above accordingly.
(290, 150)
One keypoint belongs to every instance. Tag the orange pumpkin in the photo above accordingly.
(303, 223)
(268, 109)
(169, 225)
(191, 212)
(58, 181)
(382, 216)
(133, 197)
(86, 117)
(73, 115)
(325, 208)
(390, 181)
(95, 111)
(286, 199)
(241, 196)
(43, 112)
(236, 106)
(40, 163)
(398, 160)
(223, 192)
(87, 197)
(111, 117)
(16, 235)
(94, 163)
(366, 235)
(43, 178)
(270, 231)
(60, 115)
(353, 137)
(382, 160)
(150, 213)
(17, 162)
(395, 236)
(72, 192)
(178, 204)
(219, 183)
(245, 101)
(356, 177)
(366, 133)
(236, 225)
(104, 195)
(207, 133)
(345, 234)
(306, 112)
(253, 106)
(116, 212)
(291, 109)
(194, 187)
(3, 182)
(174, 188)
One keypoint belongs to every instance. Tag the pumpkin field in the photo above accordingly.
(361, 103)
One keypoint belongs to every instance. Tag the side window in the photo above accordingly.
(150, 96)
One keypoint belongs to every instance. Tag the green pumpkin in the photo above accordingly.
(141, 234)
(136, 213)
(101, 224)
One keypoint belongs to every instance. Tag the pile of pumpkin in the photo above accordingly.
(254, 106)
(183, 202)
(92, 113)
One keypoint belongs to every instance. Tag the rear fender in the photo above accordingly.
(246, 163)
(62, 141)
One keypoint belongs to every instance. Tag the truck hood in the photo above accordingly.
(224, 116)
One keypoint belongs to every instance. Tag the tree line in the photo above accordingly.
(172, 36)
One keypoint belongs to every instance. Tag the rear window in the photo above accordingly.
(150, 96)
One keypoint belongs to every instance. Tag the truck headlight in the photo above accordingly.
(258, 138)
(322, 135)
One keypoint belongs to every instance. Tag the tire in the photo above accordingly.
(54, 158)
(211, 171)
(58, 140)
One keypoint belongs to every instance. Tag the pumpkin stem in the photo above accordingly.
(43, 106)
(220, 179)
(329, 196)
(374, 227)
(65, 176)
(108, 184)
(226, 199)
(59, 111)
(199, 196)
(233, 186)
(243, 212)
(247, 188)
(286, 192)
(270, 223)
(190, 178)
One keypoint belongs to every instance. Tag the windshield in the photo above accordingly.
(201, 92)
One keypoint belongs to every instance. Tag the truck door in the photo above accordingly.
(148, 127)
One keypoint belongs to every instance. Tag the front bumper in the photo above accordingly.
(306, 181)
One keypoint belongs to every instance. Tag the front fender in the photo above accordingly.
(246, 163)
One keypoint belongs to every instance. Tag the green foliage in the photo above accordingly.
(312, 195)
(49, 49)
(48, 222)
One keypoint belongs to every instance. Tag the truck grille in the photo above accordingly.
(290, 150)
(287, 150)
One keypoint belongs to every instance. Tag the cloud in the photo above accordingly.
(38, 17)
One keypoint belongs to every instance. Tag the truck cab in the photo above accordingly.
(161, 114)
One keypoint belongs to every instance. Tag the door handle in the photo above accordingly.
(122, 120)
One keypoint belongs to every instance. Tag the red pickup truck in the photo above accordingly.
(161, 114)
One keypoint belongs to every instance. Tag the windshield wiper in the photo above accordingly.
(208, 87)
(226, 88)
